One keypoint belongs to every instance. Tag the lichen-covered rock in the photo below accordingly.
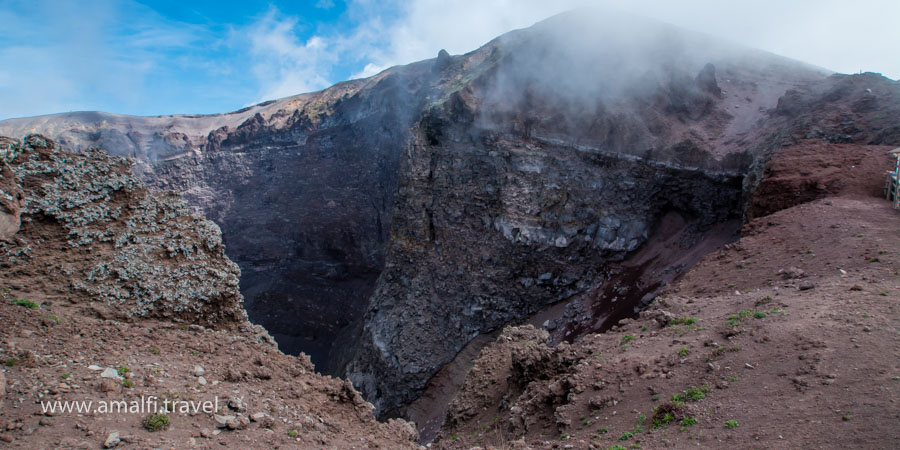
(138, 253)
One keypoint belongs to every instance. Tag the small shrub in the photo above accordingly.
(122, 370)
(11, 362)
(627, 338)
(128, 383)
(603, 431)
(685, 321)
(689, 421)
(684, 352)
(156, 422)
(759, 315)
(626, 436)
(26, 303)
(730, 424)
(765, 300)
(664, 415)
(65, 376)
(293, 433)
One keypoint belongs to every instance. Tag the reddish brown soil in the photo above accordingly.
(50, 362)
(819, 369)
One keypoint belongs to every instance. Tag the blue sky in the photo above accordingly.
(148, 57)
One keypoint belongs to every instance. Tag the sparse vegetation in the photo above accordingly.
(122, 370)
(627, 338)
(764, 301)
(128, 383)
(25, 303)
(692, 394)
(293, 433)
(156, 422)
(154, 350)
(684, 352)
(664, 414)
(730, 424)
(685, 321)
(11, 362)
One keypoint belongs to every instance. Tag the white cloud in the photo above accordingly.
(283, 64)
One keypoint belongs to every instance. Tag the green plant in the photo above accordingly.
(685, 321)
(564, 435)
(874, 260)
(759, 315)
(603, 431)
(627, 338)
(847, 416)
(156, 422)
(689, 421)
(154, 349)
(122, 370)
(684, 352)
(732, 379)
(730, 424)
(26, 303)
(293, 433)
(626, 436)
(65, 376)
(643, 327)
(617, 447)
(11, 362)
(654, 397)
(765, 300)
(128, 383)
(52, 317)
(691, 394)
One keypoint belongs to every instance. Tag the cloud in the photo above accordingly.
(282, 63)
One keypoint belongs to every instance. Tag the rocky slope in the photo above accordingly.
(776, 341)
(382, 224)
(111, 292)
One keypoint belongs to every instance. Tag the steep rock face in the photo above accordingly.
(519, 187)
(307, 208)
